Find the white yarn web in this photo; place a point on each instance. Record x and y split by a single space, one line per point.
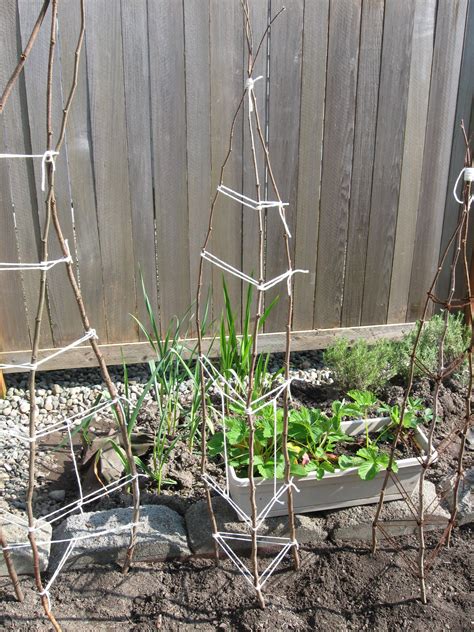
68 425
229 394
283 544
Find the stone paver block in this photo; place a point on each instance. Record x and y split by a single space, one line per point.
22 557
355 523
161 536
200 532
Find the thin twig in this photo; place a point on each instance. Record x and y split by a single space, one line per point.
24 56
11 567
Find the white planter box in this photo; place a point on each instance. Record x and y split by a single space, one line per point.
343 488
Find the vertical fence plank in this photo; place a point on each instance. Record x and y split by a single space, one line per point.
447 56
13 324
20 177
79 153
250 228
418 93
196 36
313 87
464 111
169 156
363 159
286 50
344 28
227 86
105 77
65 321
137 110
395 73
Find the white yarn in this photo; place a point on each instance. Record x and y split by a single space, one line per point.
49 156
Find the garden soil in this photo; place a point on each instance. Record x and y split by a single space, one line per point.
338 587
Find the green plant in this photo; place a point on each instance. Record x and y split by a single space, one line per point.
368 461
359 365
175 363
312 437
456 342
235 355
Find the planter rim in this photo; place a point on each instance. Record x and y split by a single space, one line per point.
420 437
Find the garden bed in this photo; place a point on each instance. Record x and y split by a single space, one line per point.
342 488
337 588
342 587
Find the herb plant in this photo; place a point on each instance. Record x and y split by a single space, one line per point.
456 342
360 365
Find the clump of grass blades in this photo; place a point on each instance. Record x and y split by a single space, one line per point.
236 351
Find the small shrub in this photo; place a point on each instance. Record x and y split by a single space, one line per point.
359 365
455 343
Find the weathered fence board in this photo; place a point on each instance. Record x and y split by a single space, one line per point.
227 87
392 107
137 112
449 37
65 322
168 117
196 39
418 93
313 89
343 52
284 106
86 247
363 161
359 102
109 143
465 112
13 331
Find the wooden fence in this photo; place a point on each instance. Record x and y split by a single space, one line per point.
362 107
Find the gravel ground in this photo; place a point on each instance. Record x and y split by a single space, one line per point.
61 394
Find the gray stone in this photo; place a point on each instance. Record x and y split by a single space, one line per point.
200 533
22 557
57 494
465 513
161 535
355 523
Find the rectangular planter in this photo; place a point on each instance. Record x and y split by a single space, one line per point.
343 488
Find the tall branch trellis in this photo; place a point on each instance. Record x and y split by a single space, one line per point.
52 221
250 405
459 274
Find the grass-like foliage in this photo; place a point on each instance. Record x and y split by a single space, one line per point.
236 351
456 342
360 365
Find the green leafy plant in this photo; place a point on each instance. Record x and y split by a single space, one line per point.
456 342
312 437
360 366
368 461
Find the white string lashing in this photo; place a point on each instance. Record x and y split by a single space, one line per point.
42 265
49 156
468 177
249 202
91 333
281 210
249 86
263 287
